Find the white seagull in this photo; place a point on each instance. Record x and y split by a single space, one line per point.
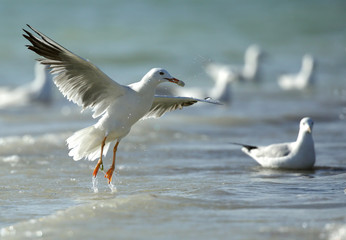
303 79
293 155
39 90
250 72
118 106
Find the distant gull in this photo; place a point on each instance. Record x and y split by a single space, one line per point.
223 76
118 106
221 91
293 155
250 72
303 79
39 90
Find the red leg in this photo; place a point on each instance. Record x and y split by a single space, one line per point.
100 163
110 171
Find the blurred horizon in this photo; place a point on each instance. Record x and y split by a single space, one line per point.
127 38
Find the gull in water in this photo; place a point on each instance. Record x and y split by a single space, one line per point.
117 106
303 79
292 155
39 90
250 72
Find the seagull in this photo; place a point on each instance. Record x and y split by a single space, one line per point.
301 80
250 72
39 90
293 155
117 106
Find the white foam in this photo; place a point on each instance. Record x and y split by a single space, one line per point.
336 231
95 183
11 159
112 187
9 231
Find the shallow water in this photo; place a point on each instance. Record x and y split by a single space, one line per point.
178 176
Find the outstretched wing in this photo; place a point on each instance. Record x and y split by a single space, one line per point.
163 104
78 79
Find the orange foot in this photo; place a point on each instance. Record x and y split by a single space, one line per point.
99 163
109 174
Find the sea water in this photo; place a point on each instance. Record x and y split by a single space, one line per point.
178 176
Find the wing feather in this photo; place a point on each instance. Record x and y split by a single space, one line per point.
163 104
78 79
273 151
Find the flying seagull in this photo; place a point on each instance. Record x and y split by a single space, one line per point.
117 106
292 155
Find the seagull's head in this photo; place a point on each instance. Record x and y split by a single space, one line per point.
161 75
306 125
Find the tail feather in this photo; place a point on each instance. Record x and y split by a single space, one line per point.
248 147
86 143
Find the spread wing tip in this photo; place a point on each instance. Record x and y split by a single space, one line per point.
212 101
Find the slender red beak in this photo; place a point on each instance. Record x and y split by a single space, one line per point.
176 81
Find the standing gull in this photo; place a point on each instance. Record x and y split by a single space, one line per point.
37 91
293 155
303 79
250 72
117 106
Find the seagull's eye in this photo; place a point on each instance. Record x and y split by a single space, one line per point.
161 73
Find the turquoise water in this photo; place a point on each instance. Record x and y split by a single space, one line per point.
178 176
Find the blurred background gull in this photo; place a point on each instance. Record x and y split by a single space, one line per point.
249 72
304 79
38 90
